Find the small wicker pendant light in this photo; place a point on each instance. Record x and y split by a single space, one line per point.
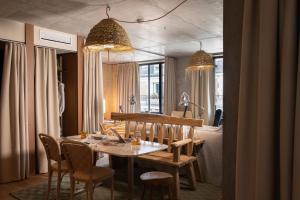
108 35
200 61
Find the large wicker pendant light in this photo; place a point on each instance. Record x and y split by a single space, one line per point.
108 35
200 61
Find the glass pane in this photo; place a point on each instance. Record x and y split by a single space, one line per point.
219 65
144 88
154 88
219 83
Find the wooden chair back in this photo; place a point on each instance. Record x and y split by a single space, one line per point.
158 125
78 155
51 147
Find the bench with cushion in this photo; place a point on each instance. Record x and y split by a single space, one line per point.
165 129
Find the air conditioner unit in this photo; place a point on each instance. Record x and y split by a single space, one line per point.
55 39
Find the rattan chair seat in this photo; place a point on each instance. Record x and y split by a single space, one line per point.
63 167
97 174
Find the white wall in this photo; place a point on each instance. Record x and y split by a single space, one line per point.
12 30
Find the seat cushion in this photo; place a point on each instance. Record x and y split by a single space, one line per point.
166 158
64 166
97 174
157 178
155 175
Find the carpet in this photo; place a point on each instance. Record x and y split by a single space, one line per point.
203 192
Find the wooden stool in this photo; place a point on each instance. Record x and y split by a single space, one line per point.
159 180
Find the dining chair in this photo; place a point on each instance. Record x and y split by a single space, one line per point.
80 162
55 162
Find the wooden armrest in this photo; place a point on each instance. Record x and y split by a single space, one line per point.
199 141
177 148
181 143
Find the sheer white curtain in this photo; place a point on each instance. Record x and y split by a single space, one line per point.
93 91
46 99
203 94
127 83
169 86
14 154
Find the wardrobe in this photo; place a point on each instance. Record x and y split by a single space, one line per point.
70 72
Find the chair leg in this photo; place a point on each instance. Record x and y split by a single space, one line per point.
58 185
112 188
176 184
151 192
170 192
50 172
72 182
144 190
192 177
161 191
90 191
87 190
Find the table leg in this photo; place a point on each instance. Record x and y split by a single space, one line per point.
110 161
130 176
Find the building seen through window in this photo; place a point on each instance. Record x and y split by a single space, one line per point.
219 83
151 80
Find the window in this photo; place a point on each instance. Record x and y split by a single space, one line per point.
219 82
151 78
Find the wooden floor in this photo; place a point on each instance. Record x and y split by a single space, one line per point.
5 189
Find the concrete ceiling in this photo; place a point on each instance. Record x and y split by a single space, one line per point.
176 35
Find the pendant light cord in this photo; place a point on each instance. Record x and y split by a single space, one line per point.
149 20
106 11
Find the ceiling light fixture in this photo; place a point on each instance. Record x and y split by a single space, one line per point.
108 35
200 61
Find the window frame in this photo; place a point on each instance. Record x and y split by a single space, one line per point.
160 76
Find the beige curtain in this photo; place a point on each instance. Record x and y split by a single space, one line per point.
203 94
169 94
46 99
14 153
92 91
268 134
126 83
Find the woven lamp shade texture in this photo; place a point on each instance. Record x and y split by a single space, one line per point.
200 60
108 35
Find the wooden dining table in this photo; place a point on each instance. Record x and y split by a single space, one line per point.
109 145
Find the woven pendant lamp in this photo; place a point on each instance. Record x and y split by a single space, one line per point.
200 61
108 35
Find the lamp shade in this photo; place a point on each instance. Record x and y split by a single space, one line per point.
108 35
200 61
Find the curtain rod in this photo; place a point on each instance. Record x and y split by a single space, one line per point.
217 54
139 62
151 61
18 42
6 40
158 54
68 51
117 63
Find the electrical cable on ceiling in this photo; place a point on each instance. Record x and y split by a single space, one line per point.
149 20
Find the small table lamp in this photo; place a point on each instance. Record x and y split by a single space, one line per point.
186 102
